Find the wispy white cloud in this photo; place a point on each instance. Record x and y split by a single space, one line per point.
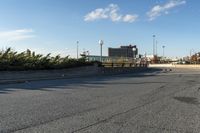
16 35
96 14
159 10
111 12
130 18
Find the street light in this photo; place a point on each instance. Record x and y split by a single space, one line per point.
134 55
101 44
163 50
77 48
154 36
156 47
134 52
198 58
88 52
191 53
145 58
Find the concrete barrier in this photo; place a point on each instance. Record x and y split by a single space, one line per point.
120 70
160 65
23 76
186 66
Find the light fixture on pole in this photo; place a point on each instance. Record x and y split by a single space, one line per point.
88 52
145 57
101 44
154 36
145 54
163 50
134 52
191 52
156 48
198 57
134 55
77 49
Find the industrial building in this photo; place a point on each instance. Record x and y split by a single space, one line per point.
124 51
115 54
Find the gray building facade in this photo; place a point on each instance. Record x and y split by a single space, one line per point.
124 51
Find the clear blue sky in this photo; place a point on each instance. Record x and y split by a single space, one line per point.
55 25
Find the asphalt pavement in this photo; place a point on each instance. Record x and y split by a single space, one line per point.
161 101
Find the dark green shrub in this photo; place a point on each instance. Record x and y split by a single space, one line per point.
28 60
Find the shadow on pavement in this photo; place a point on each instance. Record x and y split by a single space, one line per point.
188 100
87 82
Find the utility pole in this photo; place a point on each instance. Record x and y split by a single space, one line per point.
77 49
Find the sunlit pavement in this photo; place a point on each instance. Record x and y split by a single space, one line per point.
161 102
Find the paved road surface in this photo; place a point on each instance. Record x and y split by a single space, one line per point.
160 102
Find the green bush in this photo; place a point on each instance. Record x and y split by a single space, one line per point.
28 60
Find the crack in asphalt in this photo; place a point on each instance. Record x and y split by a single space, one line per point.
126 121
51 120
44 122
92 109
127 111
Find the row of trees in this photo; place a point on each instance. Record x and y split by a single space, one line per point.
28 60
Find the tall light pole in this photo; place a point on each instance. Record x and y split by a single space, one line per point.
134 55
156 47
163 50
134 52
191 53
77 49
145 58
154 36
198 58
101 44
